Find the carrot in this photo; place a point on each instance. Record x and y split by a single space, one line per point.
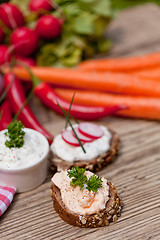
112 82
124 64
153 73
138 107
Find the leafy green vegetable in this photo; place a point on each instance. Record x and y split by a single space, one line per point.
93 183
84 23
122 4
78 177
102 8
82 31
15 134
23 5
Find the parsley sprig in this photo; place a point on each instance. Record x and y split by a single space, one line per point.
79 179
94 183
15 134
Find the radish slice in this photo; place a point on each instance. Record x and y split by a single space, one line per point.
81 136
90 130
68 137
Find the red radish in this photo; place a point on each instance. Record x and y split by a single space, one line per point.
36 5
25 41
48 27
90 130
81 136
11 16
5 55
68 137
1 35
27 61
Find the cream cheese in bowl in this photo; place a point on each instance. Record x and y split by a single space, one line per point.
26 167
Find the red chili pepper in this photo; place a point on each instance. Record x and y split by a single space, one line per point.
48 96
27 86
1 84
17 99
5 115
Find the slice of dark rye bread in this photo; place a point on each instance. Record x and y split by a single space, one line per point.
110 214
93 165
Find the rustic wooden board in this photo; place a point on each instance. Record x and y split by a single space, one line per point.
135 172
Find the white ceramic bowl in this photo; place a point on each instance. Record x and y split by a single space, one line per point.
30 177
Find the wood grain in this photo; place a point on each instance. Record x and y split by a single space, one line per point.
136 172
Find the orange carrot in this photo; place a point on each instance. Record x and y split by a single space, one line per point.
138 107
124 64
112 82
153 73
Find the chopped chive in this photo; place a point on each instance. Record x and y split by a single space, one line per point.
68 113
68 121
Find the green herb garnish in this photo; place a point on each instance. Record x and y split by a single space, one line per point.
93 183
68 113
79 179
15 134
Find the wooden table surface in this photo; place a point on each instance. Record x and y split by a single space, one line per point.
136 172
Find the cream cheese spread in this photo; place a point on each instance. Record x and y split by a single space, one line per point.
81 201
69 153
31 152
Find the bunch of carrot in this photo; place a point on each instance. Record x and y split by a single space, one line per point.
134 82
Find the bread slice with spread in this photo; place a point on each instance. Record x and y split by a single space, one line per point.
83 199
100 147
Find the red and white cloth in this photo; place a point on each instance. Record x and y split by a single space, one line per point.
6 197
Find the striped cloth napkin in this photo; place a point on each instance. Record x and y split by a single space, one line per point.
6 197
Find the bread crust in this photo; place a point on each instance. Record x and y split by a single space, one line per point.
94 165
110 214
